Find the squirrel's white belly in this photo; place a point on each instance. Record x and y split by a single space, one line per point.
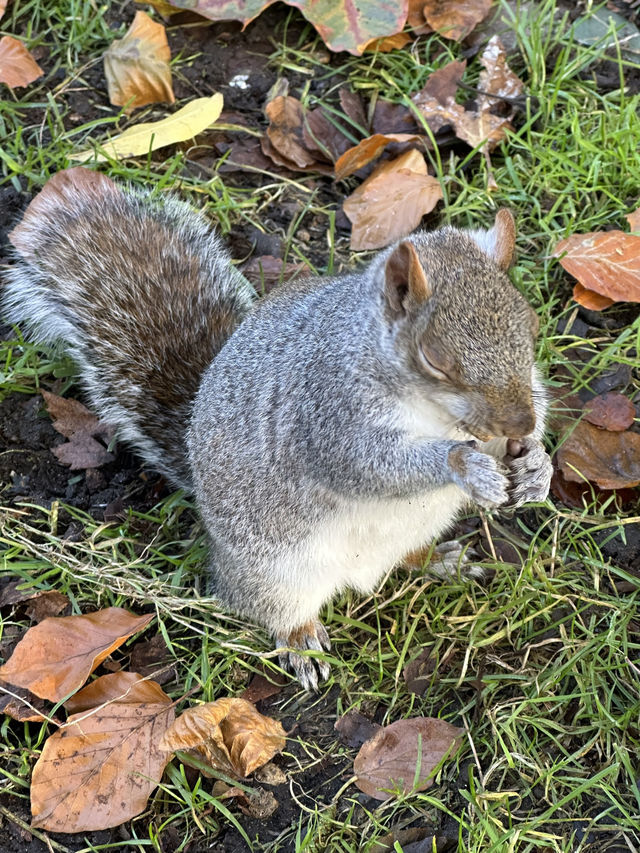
357 548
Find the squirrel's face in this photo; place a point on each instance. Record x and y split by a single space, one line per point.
467 334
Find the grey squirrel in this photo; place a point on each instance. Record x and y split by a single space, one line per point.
326 430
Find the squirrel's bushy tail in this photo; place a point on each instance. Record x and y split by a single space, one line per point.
143 294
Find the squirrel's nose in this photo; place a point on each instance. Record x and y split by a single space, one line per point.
518 423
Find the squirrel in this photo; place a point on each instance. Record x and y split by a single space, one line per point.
327 429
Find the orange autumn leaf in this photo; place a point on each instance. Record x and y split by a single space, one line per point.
137 66
391 202
389 43
633 219
55 657
17 66
98 770
606 262
228 733
455 19
590 299
367 150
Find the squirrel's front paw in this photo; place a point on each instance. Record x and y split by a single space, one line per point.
312 636
530 471
481 476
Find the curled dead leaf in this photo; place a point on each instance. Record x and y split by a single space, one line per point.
55 657
633 219
228 733
367 150
385 45
391 202
137 66
404 755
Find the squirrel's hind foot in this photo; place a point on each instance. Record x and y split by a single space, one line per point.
311 636
454 559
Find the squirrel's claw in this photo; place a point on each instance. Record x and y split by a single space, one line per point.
481 476
454 559
311 636
530 473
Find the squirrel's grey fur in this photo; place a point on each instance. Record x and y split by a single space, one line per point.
324 443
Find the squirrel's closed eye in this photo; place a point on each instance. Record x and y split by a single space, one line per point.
429 366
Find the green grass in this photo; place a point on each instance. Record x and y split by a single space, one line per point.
542 665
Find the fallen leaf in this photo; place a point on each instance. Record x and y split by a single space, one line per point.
152 657
99 769
16 592
606 262
45 604
633 219
127 688
367 150
612 411
415 840
590 299
389 117
323 136
56 657
260 687
391 202
416 19
480 126
229 733
22 705
352 107
443 83
285 132
418 672
137 66
75 421
342 24
611 460
455 19
404 755
389 43
355 729
17 67
266 271
140 139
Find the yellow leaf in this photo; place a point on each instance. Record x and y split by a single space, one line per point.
138 140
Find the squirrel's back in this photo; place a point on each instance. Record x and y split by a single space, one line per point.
142 293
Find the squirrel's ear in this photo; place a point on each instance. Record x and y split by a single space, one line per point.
405 276
499 242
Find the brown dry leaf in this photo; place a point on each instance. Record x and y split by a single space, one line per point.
99 769
17 66
75 421
56 657
323 137
128 688
611 460
153 658
260 687
389 43
355 729
418 672
416 840
416 19
228 733
391 202
607 262
443 83
367 150
633 219
267 271
455 19
21 704
480 125
45 604
612 411
390 759
137 66
284 133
